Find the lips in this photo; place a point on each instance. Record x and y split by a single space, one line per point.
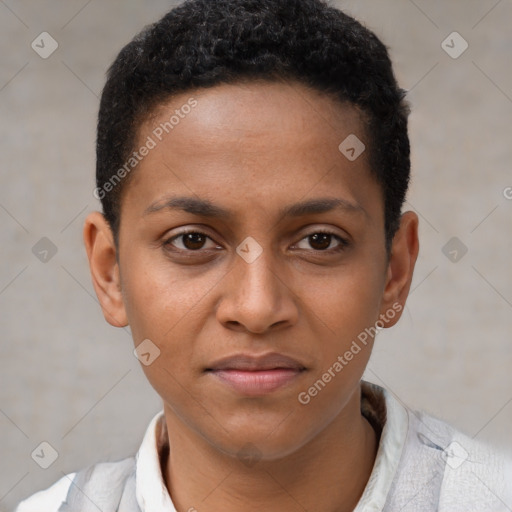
247 362
256 375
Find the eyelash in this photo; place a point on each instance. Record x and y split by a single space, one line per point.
343 243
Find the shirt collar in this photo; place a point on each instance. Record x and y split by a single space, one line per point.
151 491
378 404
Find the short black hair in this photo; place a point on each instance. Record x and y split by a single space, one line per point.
203 43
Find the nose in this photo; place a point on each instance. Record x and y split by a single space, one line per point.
257 296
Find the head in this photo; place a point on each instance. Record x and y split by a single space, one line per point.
274 133
203 44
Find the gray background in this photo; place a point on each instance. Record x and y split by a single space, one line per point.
70 379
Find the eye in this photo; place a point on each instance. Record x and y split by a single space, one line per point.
189 241
323 241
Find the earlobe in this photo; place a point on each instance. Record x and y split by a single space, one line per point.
101 252
404 252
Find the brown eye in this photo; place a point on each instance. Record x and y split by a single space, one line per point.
190 241
193 240
323 241
320 241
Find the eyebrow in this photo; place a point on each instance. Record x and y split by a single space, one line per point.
205 208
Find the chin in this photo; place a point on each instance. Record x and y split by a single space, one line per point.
260 445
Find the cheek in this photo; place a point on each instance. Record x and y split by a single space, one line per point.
344 319
169 307
346 301
345 310
160 298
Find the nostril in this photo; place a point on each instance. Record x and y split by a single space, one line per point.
234 325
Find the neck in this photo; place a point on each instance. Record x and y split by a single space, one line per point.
329 473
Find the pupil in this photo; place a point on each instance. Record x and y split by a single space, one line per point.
323 239
193 241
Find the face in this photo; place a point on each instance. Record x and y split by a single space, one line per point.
252 256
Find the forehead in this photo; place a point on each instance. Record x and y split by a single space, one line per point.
252 140
258 111
272 104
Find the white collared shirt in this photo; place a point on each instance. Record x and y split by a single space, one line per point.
385 413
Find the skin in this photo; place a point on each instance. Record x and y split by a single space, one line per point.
254 148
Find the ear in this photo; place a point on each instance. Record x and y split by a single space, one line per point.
404 252
101 251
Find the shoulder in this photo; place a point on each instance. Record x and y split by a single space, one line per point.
475 474
49 499
103 480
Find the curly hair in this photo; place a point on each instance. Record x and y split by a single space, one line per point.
203 43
